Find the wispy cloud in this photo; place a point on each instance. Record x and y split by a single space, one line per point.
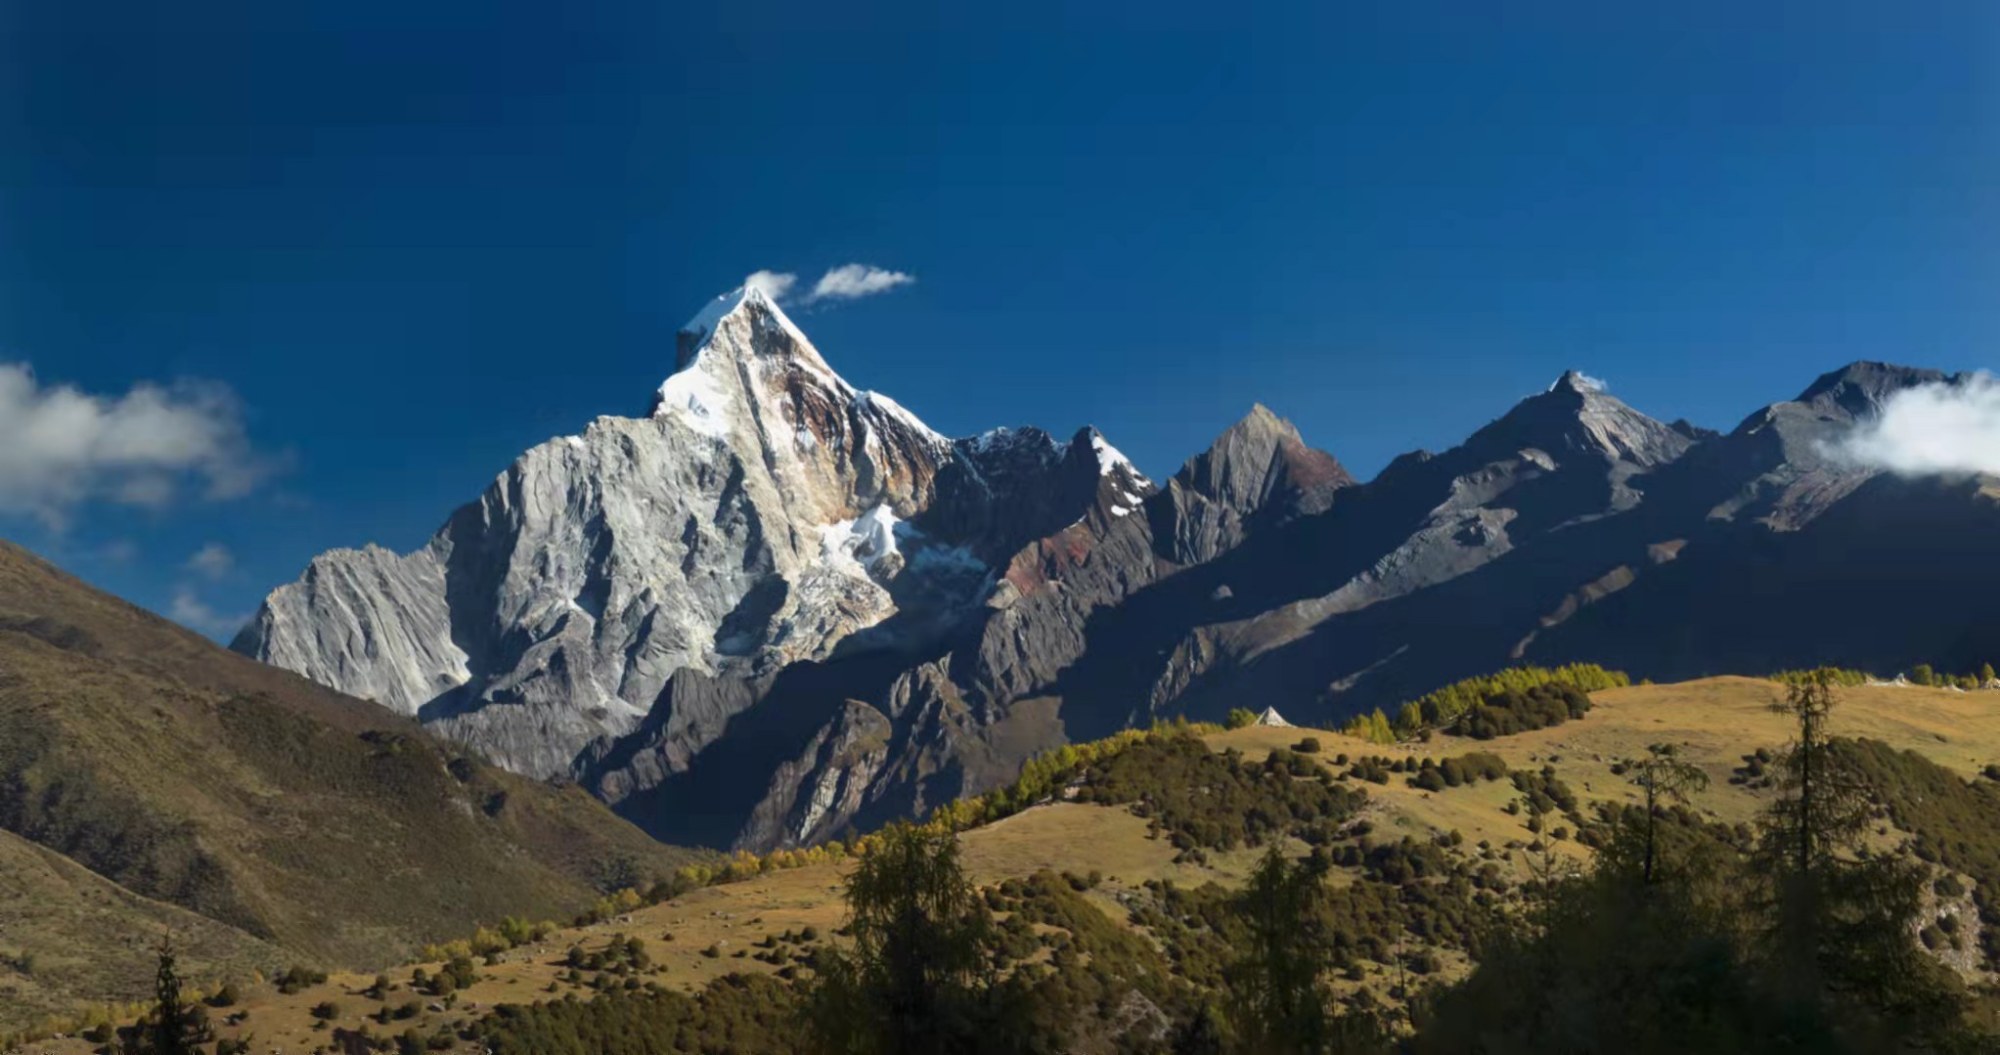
851 281
61 447
1932 428
776 284
846 282
192 612
212 561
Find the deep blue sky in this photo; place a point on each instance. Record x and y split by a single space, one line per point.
416 238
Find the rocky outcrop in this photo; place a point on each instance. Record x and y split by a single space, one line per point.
1257 474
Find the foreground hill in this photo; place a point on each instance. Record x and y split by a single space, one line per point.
69 937
779 606
290 819
1418 864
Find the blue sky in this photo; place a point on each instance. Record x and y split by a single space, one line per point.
400 243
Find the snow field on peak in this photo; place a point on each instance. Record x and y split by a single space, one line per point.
693 397
1109 458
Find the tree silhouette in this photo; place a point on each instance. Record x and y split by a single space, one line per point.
1822 805
918 977
177 1027
1277 1002
1664 777
1841 917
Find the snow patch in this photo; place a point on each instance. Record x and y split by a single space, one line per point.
711 315
1110 459
694 398
993 439
861 545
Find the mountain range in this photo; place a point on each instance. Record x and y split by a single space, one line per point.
777 607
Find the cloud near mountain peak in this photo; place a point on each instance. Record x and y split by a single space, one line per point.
1928 429
846 282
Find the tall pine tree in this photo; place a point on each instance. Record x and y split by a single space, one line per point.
177 1027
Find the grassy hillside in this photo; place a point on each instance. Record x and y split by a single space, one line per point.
69 937
1407 906
314 823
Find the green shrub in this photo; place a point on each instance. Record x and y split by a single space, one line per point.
1522 711
297 978
1447 705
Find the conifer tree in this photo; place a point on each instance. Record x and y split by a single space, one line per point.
1277 1002
918 977
177 1027
1841 917
1663 777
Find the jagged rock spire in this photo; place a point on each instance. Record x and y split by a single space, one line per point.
1258 472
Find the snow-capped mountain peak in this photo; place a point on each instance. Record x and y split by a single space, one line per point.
744 344
750 306
765 512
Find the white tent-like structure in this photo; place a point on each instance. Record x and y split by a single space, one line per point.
1273 718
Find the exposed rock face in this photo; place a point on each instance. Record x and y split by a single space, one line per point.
1258 470
778 606
1778 458
616 598
756 518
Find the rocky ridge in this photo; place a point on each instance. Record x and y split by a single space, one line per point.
779 606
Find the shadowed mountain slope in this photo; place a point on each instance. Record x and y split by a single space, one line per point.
312 821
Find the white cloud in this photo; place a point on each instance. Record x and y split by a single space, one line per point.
776 284
1932 428
212 561
60 447
195 614
849 281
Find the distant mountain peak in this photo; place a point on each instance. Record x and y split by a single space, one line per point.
1257 467
742 346
1578 382
1577 414
1860 387
1109 459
